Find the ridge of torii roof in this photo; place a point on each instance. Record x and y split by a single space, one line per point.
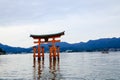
48 35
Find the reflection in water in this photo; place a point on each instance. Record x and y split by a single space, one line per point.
38 69
52 72
54 69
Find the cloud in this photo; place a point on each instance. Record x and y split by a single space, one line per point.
24 10
81 19
38 11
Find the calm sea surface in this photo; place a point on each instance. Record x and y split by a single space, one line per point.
71 66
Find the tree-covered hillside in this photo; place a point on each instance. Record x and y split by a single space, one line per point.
110 44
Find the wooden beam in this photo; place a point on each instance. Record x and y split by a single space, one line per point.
35 42
54 41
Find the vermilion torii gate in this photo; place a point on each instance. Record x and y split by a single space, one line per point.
49 38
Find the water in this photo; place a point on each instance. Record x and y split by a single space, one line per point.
71 66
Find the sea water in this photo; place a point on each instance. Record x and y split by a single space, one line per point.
70 66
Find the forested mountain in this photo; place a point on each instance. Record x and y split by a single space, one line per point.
92 45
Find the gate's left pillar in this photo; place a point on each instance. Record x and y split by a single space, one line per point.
34 52
39 49
42 52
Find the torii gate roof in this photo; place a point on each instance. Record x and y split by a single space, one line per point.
48 35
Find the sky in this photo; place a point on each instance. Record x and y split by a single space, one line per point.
82 20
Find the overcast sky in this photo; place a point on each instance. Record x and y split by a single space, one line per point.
82 20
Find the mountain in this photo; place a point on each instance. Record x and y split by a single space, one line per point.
2 51
10 49
91 45
98 45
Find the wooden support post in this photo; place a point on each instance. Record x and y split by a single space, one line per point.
34 62
42 52
53 48
34 52
50 51
54 52
58 52
39 50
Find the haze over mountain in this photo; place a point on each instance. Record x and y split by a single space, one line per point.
92 45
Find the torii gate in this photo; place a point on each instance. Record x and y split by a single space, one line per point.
54 50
